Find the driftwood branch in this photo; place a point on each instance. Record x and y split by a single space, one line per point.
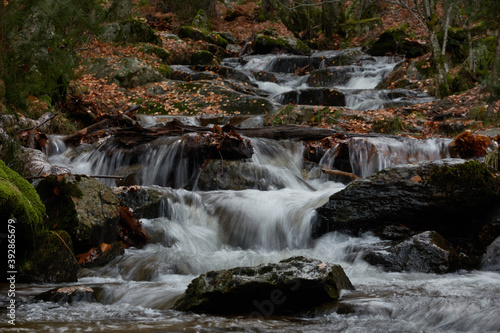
339 173
36 126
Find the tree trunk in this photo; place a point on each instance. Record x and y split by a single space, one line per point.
332 17
442 89
495 79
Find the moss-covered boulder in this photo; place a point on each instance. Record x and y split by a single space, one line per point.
120 10
19 199
128 31
264 44
84 207
127 72
202 34
396 41
453 197
53 261
202 21
290 286
202 58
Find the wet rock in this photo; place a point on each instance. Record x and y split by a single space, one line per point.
53 260
130 174
330 76
84 207
146 201
69 295
236 175
453 197
292 285
313 96
426 252
491 259
95 257
128 31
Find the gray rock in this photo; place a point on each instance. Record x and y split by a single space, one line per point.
290 286
126 72
84 207
129 31
236 175
313 96
453 197
491 259
120 10
427 252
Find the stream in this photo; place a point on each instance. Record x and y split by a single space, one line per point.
198 231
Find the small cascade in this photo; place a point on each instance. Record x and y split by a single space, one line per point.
372 154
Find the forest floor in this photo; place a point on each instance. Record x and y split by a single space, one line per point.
423 120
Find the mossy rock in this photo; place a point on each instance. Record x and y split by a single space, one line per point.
19 202
353 28
53 261
396 41
201 20
84 207
202 34
129 31
157 51
19 199
265 43
202 58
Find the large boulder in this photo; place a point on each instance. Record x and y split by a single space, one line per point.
84 207
426 252
127 72
128 31
290 286
396 41
453 197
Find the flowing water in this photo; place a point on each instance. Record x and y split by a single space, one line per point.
195 232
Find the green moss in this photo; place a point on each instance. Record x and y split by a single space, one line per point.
202 58
164 70
18 199
157 51
202 34
266 43
466 185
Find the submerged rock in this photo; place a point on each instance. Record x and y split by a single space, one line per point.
427 252
453 197
68 295
290 286
236 175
